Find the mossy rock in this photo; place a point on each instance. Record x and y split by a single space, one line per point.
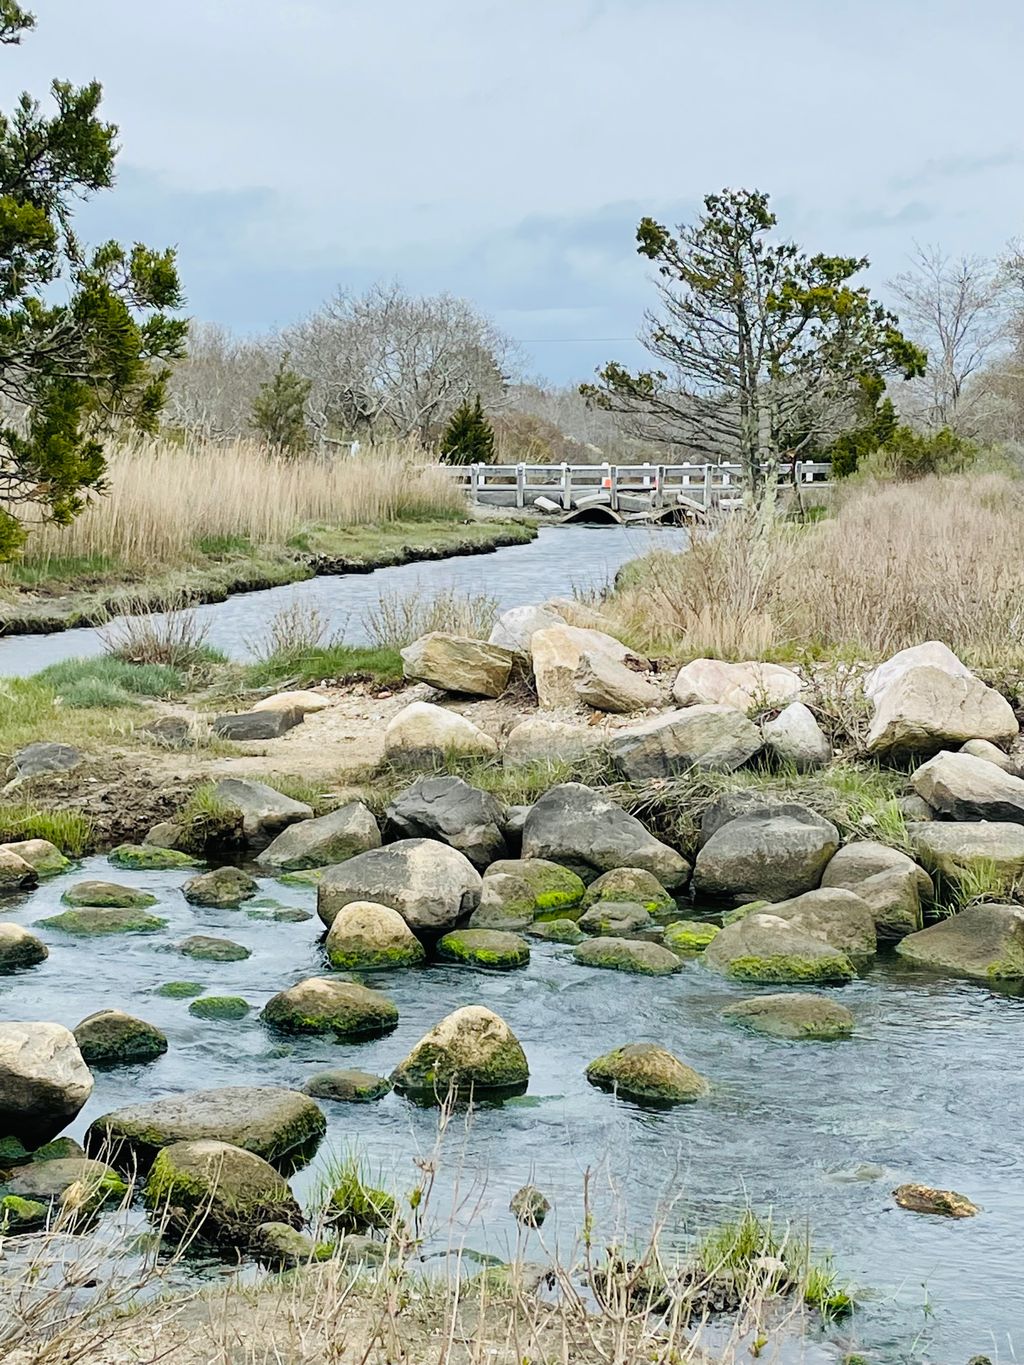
484 948
516 891
557 931
286 914
76 1184
627 955
20 949
91 922
742 911
40 854
529 1207
367 936
349 1086
648 1073
12 1152
285 1247
689 935
112 1038
355 1206
224 888
765 949
310 876
180 990
206 948
222 1191
615 919
107 896
20 1215
631 885
795 1016
220 1007
149 858
471 1051
58 1150
322 1005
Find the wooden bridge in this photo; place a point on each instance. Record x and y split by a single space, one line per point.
623 493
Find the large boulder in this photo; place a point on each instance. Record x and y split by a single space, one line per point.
45 857
493 948
515 629
714 737
113 1038
367 937
956 848
20 949
327 839
605 684
648 1073
795 738
44 1081
422 734
762 947
927 709
749 801
838 917
218 1191
472 1050
627 955
557 653
456 663
539 741
16 874
932 654
265 812
859 861
279 1125
585 831
766 856
515 892
224 888
323 1004
630 885
967 788
450 810
985 941
889 882
795 1016
431 885
741 686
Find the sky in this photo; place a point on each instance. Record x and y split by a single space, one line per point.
504 152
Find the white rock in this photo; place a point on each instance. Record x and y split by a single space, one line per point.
43 1081
515 629
982 748
604 684
423 732
712 681
557 652
305 701
794 736
927 708
932 654
538 740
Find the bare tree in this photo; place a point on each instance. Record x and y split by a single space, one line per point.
955 307
213 389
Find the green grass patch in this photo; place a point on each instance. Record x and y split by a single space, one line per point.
30 711
303 667
222 546
71 569
136 680
397 542
72 831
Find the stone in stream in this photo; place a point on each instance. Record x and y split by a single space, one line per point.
539 741
149 858
927 709
741 686
180 990
605 684
208 948
457 663
282 1126
19 1215
472 1050
431 885
956 848
689 935
286 1248
44 1081
265 812
16 874
113 1038
224 888
967 788
348 1086
889 882
221 1191
322 1005
45 857
92 921
717 738
839 918
984 941
585 831
365 936
557 931
220 1008
630 884
795 1016
627 955
529 1207
924 1199
20 949
246 727
451 811
761 947
484 948
766 855
422 734
326 839
647 1073
107 895
614 919
44 757
557 652
67 1185
515 891
794 737
303 700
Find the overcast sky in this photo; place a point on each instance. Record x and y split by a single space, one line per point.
505 151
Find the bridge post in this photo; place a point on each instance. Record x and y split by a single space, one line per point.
520 485
474 483
613 486
707 488
658 499
566 487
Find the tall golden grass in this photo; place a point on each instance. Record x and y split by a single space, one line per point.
164 498
942 558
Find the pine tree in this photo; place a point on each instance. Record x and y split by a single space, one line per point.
279 410
469 438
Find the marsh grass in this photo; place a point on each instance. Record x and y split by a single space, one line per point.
399 618
325 663
975 883
171 635
72 831
105 682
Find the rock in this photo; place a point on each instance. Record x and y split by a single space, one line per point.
15 873
265 812
926 709
207 948
352 1087
539 741
557 652
431 885
889 883
863 859
630 884
218 1190
795 737
514 629
284 1247
585 831
76 1185
327 839
149 858
220 1008
764 948
981 748
20 949
225 888
956 848
576 613
43 1081
166 834
740 686
932 654
627 955
484 948
529 1207
605 684
285 914
108 895
422 734
171 732
246 727
915 808
648 1073
614 919
557 931
514 892
985 941
180 990
838 917
44 757
450 810
689 935
515 819
365 936
20 1215
40 854
113 1038
765 855
305 701
472 1050
924 1199
456 663
968 788
736 805
794 1016
323 1005
713 737
91 921
278 1125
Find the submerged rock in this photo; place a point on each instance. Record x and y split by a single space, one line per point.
472 1050
484 948
794 1016
327 839
646 1072
89 922
761 947
924 1199
627 955
766 855
113 1038
207 948
422 734
451 811
457 663
222 1192
20 949
717 738
149 858
44 1081
557 931
222 1008
431 885
365 936
107 895
323 1005
224 888
180 990
349 1086
985 941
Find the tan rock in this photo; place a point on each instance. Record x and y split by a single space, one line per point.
15 871
744 685
457 663
982 748
305 701
366 935
43 1081
539 739
472 1049
422 732
968 788
557 652
955 848
604 684
927 709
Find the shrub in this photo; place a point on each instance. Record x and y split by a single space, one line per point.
173 636
401 617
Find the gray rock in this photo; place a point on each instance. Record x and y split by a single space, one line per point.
614 919
514 892
514 629
627 955
931 654
744 802
956 848
431 885
248 726
796 738
983 941
224 888
208 948
765 857
794 1016
348 1086
219 1191
113 1038
982 748
539 741
761 947
969 788
265 812
20 949
889 882
838 917
328 1005
606 684
927 709
78 1186
456 663
451 811
714 737
915 807
324 840
16 873
45 757
44 1081
471 1051
630 884
515 819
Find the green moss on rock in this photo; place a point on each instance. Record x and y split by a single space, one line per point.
180 990
689 935
627 955
112 1038
356 1206
788 968
220 1007
107 895
484 948
322 1005
206 948
350 1086
793 1016
557 931
647 1072
224 1192
92 922
149 858
631 885
472 1050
